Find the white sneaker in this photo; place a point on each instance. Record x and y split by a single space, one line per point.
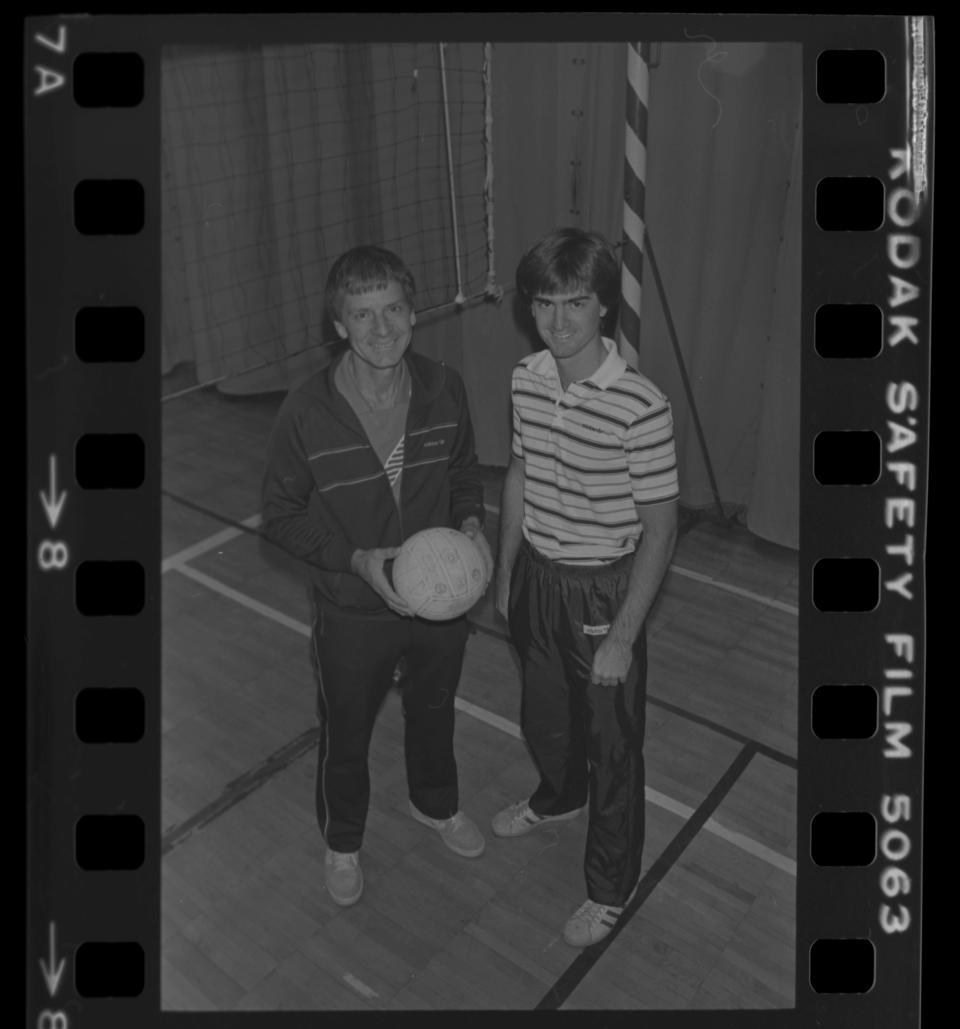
519 819
344 877
593 922
459 833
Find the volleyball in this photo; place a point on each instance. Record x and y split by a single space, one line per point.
440 573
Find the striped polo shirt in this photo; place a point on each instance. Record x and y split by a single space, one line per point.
591 454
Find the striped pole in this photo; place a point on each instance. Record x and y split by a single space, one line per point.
634 178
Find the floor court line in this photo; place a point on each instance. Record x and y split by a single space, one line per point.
582 964
210 543
780 605
360 986
242 598
739 840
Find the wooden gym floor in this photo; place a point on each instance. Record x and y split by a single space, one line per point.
246 920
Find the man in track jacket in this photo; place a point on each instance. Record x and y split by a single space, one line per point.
376 447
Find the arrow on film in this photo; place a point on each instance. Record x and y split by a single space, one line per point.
53 504
52 973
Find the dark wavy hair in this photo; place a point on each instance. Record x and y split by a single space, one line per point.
567 260
363 269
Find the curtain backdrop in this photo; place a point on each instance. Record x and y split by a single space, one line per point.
723 152
276 159
722 208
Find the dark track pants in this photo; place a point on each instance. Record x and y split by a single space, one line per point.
355 661
586 740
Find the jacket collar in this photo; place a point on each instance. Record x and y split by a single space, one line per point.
427 378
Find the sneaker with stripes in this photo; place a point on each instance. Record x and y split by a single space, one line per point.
519 819
592 922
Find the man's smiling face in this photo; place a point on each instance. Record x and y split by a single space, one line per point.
568 323
378 324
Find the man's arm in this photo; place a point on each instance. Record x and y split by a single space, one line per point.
511 521
473 528
613 656
287 487
466 488
369 565
285 501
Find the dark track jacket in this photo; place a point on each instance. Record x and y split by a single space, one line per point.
325 493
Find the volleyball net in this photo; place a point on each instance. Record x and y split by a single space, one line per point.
276 159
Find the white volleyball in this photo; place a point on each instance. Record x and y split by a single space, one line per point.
440 573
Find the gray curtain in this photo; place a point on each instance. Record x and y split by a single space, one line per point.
276 159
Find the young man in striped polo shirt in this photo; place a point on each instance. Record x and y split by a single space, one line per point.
588 527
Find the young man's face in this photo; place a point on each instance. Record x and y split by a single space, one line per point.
568 323
378 324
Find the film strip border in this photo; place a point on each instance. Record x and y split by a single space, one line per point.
866 275
92 257
93 728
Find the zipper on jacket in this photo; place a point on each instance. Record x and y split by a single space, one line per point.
357 426
398 501
403 471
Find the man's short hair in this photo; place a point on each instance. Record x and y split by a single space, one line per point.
567 260
361 270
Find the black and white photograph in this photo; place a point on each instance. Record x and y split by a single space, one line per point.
480 524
